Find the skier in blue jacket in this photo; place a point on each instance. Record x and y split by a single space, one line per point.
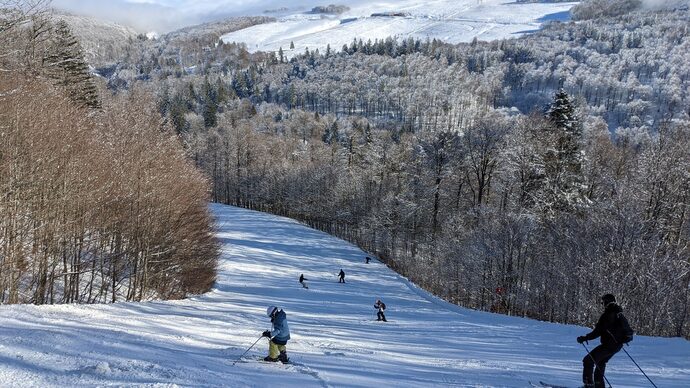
278 336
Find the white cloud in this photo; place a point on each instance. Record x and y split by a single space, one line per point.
167 15
163 15
142 16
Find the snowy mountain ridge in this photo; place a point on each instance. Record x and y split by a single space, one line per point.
168 15
451 21
297 24
336 341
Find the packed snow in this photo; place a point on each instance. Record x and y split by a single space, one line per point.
336 341
451 21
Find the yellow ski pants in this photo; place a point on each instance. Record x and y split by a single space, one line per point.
274 349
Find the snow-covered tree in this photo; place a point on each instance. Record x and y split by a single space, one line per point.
65 63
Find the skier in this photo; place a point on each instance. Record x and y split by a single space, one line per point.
278 338
341 275
380 306
610 345
301 281
368 259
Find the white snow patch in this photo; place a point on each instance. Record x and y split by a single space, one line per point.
452 21
336 341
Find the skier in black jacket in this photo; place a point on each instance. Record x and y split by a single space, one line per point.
380 307
600 355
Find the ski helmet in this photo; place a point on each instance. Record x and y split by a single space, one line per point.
608 298
270 310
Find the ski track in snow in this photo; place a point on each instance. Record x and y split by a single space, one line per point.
452 21
336 341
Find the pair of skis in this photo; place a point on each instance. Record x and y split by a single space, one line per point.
261 360
546 385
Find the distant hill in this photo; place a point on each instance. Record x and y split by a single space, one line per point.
212 31
330 9
451 21
592 9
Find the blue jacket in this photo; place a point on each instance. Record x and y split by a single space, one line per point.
281 332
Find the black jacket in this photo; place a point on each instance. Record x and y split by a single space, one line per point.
605 326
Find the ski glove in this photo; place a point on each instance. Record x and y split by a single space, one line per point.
581 339
266 333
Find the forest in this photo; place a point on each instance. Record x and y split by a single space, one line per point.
99 201
525 176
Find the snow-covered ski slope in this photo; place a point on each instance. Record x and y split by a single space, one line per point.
451 21
336 341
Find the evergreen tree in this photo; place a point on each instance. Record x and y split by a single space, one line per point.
331 134
65 63
281 55
563 159
367 133
221 92
242 84
210 101
192 96
562 114
164 100
178 110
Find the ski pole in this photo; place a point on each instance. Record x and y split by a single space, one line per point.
638 367
595 363
245 352
633 360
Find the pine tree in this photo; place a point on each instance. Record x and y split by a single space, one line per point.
240 85
563 160
164 100
192 97
65 63
221 91
331 134
178 110
210 107
562 113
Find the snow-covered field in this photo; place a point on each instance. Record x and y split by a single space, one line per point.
335 340
452 21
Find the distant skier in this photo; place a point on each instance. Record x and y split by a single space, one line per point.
301 281
614 331
380 306
341 275
279 335
368 259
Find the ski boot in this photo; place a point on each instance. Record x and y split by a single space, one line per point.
269 359
283 357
